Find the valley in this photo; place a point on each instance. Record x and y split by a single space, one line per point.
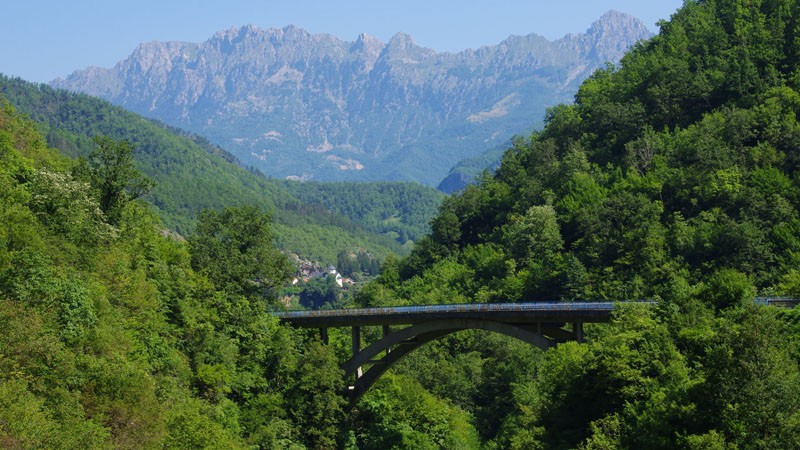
237 244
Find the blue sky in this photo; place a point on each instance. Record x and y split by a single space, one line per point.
43 40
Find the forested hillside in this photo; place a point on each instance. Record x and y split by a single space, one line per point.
116 336
672 177
190 174
401 210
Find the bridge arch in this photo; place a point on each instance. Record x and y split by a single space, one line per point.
541 324
400 343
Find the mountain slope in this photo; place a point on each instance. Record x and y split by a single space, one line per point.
400 209
299 105
190 174
466 172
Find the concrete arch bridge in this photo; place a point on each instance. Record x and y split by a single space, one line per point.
407 328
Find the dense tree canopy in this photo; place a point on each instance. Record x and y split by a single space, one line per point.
673 177
235 249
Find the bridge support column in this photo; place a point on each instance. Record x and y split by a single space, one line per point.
323 334
356 336
386 332
577 330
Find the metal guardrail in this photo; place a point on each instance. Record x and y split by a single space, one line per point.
458 308
490 307
777 301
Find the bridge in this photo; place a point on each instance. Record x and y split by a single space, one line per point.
406 328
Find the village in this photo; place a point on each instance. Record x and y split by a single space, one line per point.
308 271
315 286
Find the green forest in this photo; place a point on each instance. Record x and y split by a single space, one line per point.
401 210
673 177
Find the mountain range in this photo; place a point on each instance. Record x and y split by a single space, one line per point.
304 106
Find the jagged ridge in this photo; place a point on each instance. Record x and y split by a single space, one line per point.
302 105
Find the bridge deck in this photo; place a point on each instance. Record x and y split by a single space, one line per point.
520 313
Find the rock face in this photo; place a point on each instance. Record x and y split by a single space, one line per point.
299 105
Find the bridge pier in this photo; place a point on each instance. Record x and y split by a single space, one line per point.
577 331
323 335
356 346
385 332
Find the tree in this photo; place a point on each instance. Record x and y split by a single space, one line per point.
234 248
315 399
114 176
728 288
320 292
399 413
536 235
751 374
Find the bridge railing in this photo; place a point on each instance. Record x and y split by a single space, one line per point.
464 307
777 301
498 307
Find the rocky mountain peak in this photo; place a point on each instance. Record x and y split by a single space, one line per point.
367 43
368 49
253 35
608 34
401 41
231 34
155 53
292 33
401 47
617 23
296 104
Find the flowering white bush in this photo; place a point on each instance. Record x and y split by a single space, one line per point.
67 206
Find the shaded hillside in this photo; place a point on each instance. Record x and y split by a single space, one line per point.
311 106
467 172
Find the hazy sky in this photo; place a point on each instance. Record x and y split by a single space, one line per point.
43 40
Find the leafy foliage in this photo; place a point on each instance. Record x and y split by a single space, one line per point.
113 339
112 173
234 249
320 292
672 177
